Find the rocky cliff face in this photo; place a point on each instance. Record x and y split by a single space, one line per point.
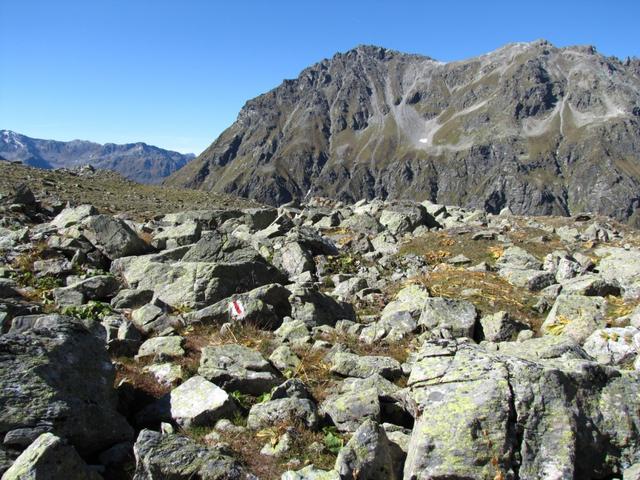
136 161
540 129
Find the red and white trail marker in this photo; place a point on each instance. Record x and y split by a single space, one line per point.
237 310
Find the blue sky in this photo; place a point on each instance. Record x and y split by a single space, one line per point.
176 73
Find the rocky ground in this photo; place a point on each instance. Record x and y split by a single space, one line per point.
381 340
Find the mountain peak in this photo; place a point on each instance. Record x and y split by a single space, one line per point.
526 126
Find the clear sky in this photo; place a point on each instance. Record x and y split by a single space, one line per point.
176 73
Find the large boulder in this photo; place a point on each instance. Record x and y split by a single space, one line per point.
73 215
194 284
265 306
57 374
621 267
49 458
362 366
315 308
449 317
288 410
113 237
236 367
367 455
576 316
486 415
179 458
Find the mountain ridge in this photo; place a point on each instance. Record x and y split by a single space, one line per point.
137 161
529 126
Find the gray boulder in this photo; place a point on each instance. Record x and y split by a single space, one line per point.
176 457
517 258
49 458
449 317
621 267
614 346
347 410
177 236
264 306
113 237
293 259
100 287
315 308
199 402
367 455
480 414
362 366
235 367
499 327
576 316
73 215
59 374
290 410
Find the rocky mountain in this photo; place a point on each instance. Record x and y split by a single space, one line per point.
136 161
383 340
532 127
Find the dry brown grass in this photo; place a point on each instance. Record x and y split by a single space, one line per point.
132 372
246 446
314 371
488 292
618 307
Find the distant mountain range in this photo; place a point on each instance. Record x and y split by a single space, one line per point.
137 161
533 127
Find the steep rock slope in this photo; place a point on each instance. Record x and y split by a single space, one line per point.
136 161
540 129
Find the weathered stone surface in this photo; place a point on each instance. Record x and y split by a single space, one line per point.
315 308
614 346
367 455
310 472
291 410
293 259
348 410
100 287
621 267
589 285
235 367
113 237
73 215
518 258
533 280
264 306
49 458
161 348
454 317
58 374
199 402
194 284
576 316
499 327
480 414
180 458
361 366
177 236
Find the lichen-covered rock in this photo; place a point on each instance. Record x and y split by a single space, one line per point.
621 266
348 410
362 366
180 458
367 455
272 412
113 237
198 402
451 317
310 472
161 348
499 327
58 374
614 346
176 236
49 458
235 367
576 316
483 415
